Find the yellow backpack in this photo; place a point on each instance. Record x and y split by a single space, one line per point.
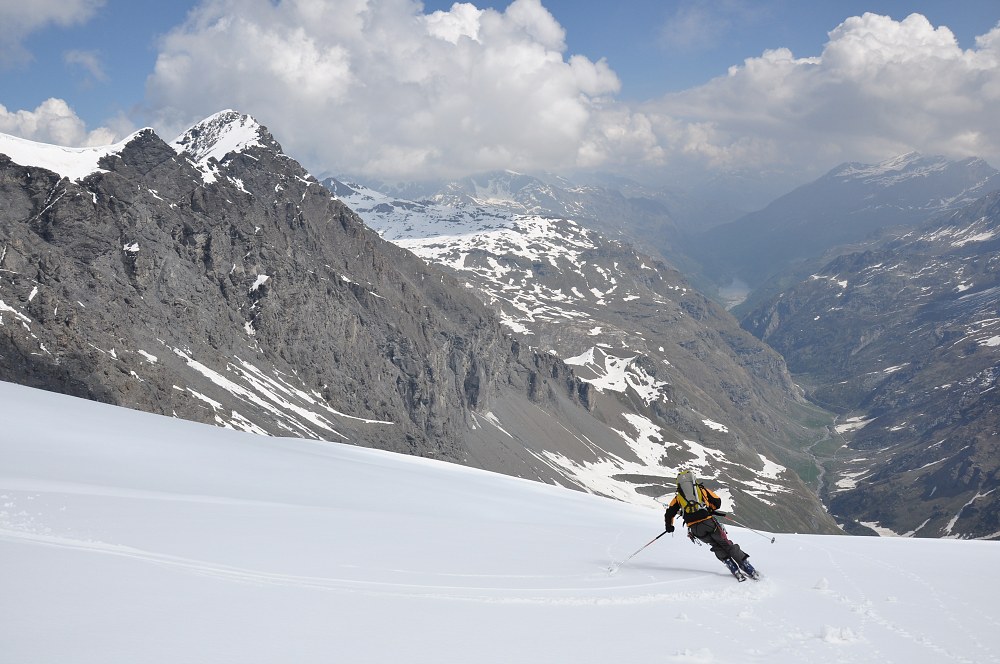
690 495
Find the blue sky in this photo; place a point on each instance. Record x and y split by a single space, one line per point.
396 90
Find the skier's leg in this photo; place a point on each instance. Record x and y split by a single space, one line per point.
722 546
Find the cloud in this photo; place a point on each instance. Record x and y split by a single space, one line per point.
381 88
55 122
880 87
90 61
20 18
697 25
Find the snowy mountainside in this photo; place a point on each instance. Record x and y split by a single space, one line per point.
72 163
214 279
474 238
670 371
904 340
236 290
616 207
916 170
800 231
192 543
514 192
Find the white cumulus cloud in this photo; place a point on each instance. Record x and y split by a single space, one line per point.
879 88
380 87
53 121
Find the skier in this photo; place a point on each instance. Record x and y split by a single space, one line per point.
698 506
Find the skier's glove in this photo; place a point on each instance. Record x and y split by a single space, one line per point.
670 528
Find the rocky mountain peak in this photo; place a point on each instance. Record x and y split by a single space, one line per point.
221 134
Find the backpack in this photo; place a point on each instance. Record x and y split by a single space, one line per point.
689 493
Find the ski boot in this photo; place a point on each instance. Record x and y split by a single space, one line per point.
749 569
735 569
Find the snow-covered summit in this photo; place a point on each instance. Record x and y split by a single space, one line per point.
220 134
72 163
895 170
905 163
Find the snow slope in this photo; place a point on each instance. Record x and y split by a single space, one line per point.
72 163
128 537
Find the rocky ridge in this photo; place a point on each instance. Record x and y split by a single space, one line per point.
214 279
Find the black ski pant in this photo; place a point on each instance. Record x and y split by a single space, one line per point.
712 533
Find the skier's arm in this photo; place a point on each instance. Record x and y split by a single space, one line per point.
713 499
668 516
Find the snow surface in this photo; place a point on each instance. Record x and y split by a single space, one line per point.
129 537
72 163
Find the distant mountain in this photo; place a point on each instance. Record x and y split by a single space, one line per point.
904 340
849 204
214 279
667 366
619 208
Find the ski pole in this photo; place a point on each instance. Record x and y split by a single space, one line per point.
726 515
614 567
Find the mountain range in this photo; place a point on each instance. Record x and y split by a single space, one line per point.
788 239
903 339
212 278
659 354
529 325
849 340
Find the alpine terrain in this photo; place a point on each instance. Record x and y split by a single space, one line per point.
664 362
212 278
787 240
903 339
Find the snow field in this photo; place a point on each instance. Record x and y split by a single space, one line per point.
127 537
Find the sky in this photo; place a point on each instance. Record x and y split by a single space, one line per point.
193 543
403 90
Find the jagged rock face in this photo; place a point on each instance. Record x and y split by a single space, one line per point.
667 369
239 292
906 338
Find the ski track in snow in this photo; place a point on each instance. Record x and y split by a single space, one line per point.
642 593
190 540
935 602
